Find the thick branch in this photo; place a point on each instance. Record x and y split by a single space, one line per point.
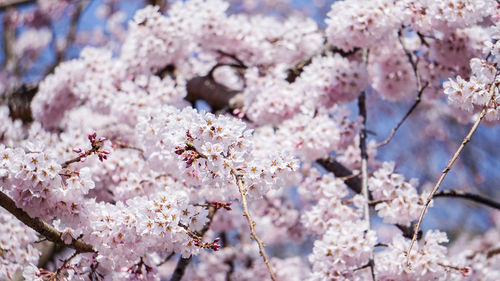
9 38
216 95
18 100
469 196
340 171
41 226
180 268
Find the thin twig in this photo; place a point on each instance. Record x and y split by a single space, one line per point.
71 35
182 264
420 90
469 196
447 169
251 223
41 226
119 144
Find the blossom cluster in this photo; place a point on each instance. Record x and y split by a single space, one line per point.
163 179
343 249
480 90
209 150
361 23
16 245
399 201
428 262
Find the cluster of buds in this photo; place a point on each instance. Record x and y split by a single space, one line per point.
189 153
96 148
212 245
219 204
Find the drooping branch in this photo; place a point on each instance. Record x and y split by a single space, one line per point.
448 167
420 90
469 196
41 226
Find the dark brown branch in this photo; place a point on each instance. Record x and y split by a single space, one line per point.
180 268
354 183
217 95
296 70
160 3
18 100
420 90
469 196
9 38
340 171
205 88
234 65
493 252
233 57
41 226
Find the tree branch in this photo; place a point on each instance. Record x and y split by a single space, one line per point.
448 167
205 88
364 164
19 101
71 35
251 222
180 269
354 183
9 38
296 70
41 226
420 90
469 196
